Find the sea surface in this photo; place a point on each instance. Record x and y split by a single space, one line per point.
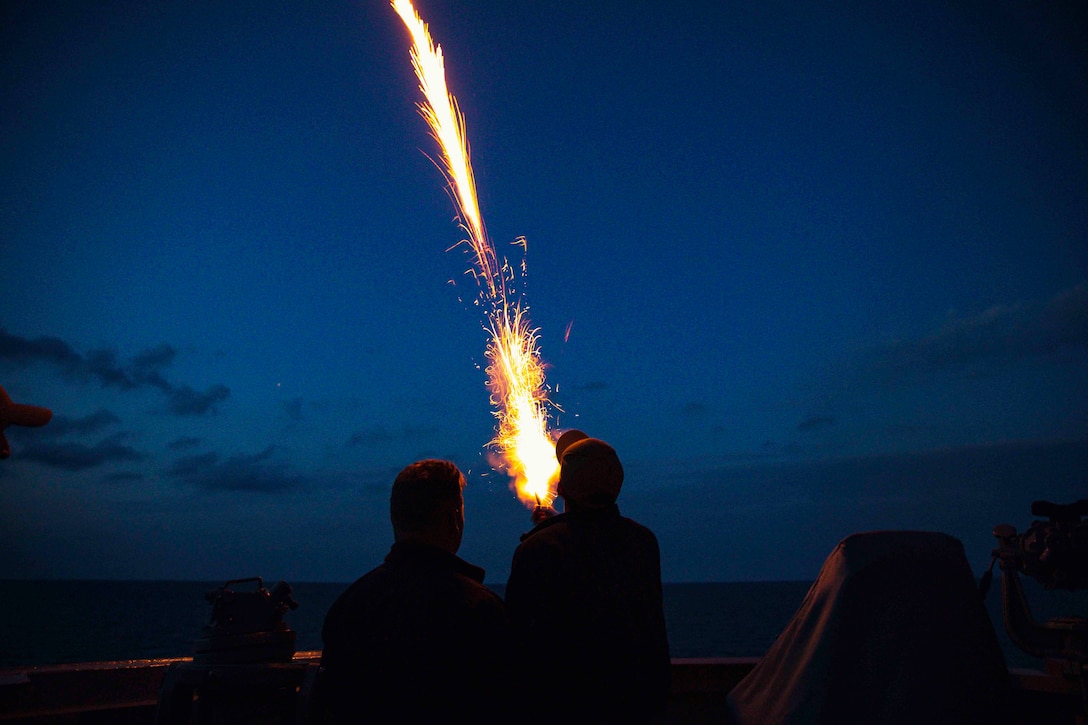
52 622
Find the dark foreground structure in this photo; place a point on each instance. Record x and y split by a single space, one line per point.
127 692
892 631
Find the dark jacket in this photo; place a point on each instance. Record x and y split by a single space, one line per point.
584 597
418 638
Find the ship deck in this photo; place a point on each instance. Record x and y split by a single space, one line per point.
127 692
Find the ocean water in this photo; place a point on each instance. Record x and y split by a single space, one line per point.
52 622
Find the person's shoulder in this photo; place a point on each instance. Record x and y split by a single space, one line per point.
548 527
628 521
487 597
372 578
468 576
464 576
546 533
366 583
466 593
355 595
639 530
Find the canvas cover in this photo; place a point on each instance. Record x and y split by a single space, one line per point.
892 631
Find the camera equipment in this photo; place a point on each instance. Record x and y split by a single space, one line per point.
242 669
1054 552
247 627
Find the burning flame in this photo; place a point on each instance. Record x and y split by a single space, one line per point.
515 373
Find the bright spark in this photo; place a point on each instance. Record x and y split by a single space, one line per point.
515 373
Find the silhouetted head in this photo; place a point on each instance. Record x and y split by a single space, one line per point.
590 474
561 443
427 504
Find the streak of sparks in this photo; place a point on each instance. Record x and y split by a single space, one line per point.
515 373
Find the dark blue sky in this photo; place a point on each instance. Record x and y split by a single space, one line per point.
825 267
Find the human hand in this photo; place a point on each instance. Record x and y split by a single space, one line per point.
542 513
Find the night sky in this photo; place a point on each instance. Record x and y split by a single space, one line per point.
824 268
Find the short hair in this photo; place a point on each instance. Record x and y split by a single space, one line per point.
422 492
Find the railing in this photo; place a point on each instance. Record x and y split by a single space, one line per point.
127 692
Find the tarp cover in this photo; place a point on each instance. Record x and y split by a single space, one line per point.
892 631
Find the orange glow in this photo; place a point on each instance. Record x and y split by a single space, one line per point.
515 373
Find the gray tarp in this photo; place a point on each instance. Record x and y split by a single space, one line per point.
892 631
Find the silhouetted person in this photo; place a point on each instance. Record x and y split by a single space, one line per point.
584 597
419 638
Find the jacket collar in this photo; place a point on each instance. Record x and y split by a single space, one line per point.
415 554
595 514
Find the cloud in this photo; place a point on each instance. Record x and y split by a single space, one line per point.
103 366
184 443
62 425
191 467
788 516
44 349
377 436
184 400
694 410
369 438
816 422
97 365
293 408
238 473
122 477
72 456
146 366
978 344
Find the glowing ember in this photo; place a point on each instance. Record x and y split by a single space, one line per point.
515 374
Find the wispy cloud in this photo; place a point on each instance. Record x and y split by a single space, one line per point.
242 472
74 456
62 425
147 366
184 443
815 423
122 477
694 409
144 370
183 400
974 378
380 436
293 408
806 508
978 344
